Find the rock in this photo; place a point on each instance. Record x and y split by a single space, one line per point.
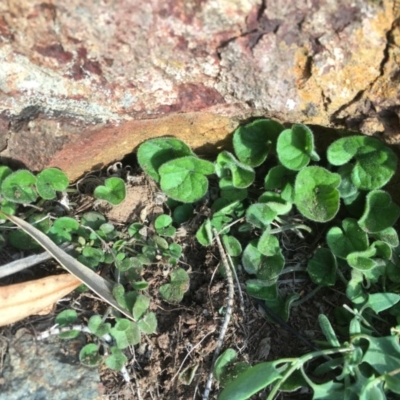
48 369
82 83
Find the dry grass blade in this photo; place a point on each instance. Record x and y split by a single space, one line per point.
93 281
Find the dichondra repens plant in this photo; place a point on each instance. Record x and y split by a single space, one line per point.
361 247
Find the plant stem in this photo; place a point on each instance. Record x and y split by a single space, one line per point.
298 363
228 314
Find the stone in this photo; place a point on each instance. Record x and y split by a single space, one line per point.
82 83
48 369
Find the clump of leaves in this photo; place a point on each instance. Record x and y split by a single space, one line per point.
362 247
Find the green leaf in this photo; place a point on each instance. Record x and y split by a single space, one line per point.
4 172
254 141
97 326
381 301
173 292
21 240
328 331
116 360
252 381
162 221
351 238
347 189
281 306
91 257
295 147
204 233
260 215
265 268
49 181
19 187
148 324
183 179
389 236
135 229
232 245
380 212
383 354
374 165
89 355
93 220
113 191
322 267
280 177
222 362
62 229
156 152
261 289
126 333
141 305
227 166
275 202
316 194
125 299
361 260
268 244
142 285
66 318
182 213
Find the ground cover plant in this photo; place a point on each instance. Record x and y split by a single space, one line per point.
275 183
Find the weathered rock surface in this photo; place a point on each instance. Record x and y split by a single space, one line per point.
82 83
47 369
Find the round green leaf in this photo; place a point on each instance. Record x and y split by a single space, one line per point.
116 360
126 333
141 305
232 245
280 177
62 228
173 292
222 362
256 263
65 318
322 267
89 355
268 244
182 213
49 181
275 202
295 147
351 238
148 324
162 221
254 141
362 260
228 167
19 187
183 179
316 194
91 257
260 215
380 212
347 189
155 152
113 191
389 236
4 172
93 220
375 163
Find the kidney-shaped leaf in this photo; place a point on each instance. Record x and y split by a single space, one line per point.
347 240
155 152
322 267
254 141
375 163
295 147
49 181
316 194
19 187
113 191
280 177
229 167
184 179
380 212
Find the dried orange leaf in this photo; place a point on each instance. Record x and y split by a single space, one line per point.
29 298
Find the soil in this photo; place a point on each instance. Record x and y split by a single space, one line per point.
188 332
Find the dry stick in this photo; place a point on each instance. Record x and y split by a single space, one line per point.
228 314
237 282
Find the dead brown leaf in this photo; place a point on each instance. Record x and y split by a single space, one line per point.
24 299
